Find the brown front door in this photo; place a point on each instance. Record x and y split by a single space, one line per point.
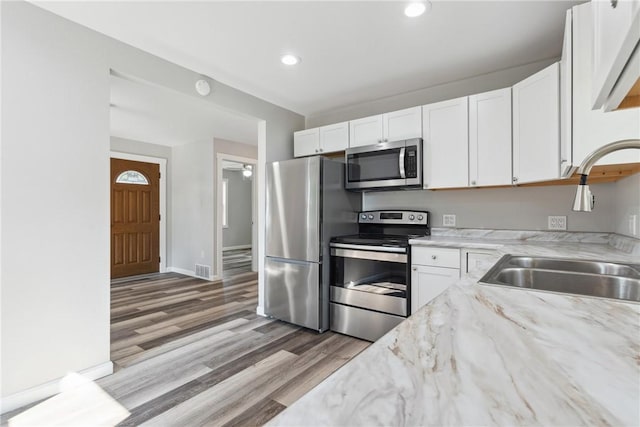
135 218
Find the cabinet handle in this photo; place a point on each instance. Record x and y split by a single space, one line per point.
415 269
321 150
614 3
515 179
316 150
473 183
433 257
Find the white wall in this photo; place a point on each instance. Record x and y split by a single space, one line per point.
478 84
627 204
55 199
55 219
518 208
238 232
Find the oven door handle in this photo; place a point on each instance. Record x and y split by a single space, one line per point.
403 173
398 250
369 255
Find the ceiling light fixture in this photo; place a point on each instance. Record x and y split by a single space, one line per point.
416 9
289 59
247 171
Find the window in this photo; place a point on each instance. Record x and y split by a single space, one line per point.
225 205
132 177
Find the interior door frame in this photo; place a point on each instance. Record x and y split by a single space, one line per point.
163 198
254 211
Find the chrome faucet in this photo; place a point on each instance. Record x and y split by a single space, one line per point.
584 200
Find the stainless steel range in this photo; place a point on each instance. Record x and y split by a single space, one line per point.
370 273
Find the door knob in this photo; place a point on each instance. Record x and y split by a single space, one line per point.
433 257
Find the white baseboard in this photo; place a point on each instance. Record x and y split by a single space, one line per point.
260 311
232 248
48 389
190 273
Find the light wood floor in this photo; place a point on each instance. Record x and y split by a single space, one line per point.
190 352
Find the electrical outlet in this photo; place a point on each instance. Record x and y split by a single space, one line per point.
448 220
558 222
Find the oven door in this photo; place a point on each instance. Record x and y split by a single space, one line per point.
370 279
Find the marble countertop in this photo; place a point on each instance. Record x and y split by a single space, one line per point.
486 355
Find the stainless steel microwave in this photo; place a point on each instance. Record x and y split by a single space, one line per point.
384 166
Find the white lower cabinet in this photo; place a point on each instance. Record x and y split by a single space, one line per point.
432 271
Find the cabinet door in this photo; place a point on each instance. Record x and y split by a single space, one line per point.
365 131
616 26
403 124
490 138
594 128
566 88
334 137
446 144
306 142
428 282
536 127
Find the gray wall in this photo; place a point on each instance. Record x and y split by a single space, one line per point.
518 208
483 83
238 233
55 117
627 205
192 207
55 199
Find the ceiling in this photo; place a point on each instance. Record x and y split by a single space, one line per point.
351 52
160 116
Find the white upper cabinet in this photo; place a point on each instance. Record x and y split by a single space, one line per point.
490 138
306 142
616 33
334 137
446 144
365 131
322 140
594 128
403 124
566 103
394 126
536 127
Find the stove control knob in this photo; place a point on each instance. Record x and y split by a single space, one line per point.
420 217
412 217
363 216
371 216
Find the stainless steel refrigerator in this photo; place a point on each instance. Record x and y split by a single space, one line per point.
306 206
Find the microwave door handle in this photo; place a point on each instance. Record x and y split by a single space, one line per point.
403 174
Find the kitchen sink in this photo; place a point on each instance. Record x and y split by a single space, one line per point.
567 276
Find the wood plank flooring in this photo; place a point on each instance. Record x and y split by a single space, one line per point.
190 352
235 262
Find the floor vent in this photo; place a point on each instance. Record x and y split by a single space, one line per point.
202 271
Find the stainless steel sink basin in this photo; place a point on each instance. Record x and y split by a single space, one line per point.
567 276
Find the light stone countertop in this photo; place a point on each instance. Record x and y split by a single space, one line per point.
488 355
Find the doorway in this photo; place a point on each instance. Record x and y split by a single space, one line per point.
237 228
135 218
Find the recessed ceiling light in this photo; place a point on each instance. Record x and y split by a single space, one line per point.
416 9
289 59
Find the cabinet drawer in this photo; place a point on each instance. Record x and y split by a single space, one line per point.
436 257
